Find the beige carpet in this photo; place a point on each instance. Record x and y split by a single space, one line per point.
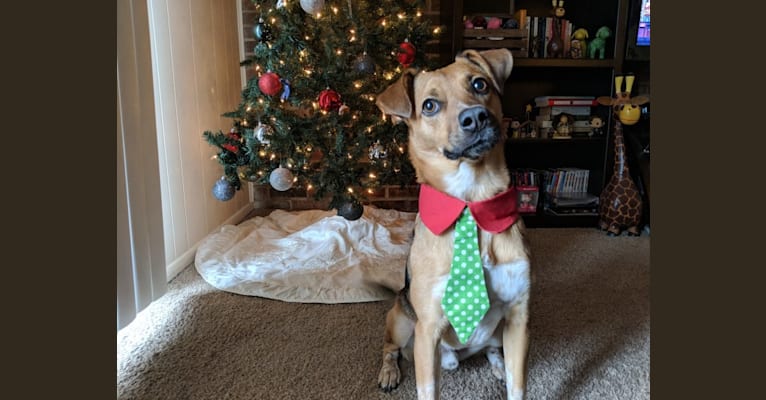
589 336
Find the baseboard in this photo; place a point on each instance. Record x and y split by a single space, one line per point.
187 258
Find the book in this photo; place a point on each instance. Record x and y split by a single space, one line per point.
521 16
528 30
540 37
566 182
588 211
524 177
547 35
572 199
546 101
549 111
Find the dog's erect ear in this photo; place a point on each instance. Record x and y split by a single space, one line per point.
397 99
498 64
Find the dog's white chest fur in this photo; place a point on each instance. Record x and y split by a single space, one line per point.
507 282
460 181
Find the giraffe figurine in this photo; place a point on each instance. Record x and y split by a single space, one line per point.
620 202
556 43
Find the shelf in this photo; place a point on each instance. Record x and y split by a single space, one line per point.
544 220
563 62
599 139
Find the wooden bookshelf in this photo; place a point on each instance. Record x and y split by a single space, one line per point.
534 77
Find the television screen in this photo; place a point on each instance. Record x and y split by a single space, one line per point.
644 26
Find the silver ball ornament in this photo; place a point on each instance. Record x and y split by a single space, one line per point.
281 179
223 190
262 133
365 64
262 32
312 6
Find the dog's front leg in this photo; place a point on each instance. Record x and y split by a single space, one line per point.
427 359
515 347
399 329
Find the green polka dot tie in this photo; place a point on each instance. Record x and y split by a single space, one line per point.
465 300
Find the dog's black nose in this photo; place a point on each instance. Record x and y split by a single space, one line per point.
473 119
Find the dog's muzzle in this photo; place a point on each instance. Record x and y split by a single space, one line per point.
479 132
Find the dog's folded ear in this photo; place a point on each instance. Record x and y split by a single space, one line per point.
397 99
497 63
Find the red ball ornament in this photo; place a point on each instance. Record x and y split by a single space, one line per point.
406 54
228 146
269 84
329 100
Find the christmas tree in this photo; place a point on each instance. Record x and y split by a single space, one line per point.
308 118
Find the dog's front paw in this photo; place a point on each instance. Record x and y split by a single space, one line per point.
516 394
496 363
388 378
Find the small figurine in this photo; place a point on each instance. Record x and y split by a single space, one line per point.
516 129
596 126
535 48
494 22
598 45
528 127
531 131
579 46
556 44
479 22
511 23
576 48
563 126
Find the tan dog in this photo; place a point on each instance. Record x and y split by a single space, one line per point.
456 146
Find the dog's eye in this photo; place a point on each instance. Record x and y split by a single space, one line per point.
430 107
480 85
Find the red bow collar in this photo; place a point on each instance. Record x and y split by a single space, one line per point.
439 211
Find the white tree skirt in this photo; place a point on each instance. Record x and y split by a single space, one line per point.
310 256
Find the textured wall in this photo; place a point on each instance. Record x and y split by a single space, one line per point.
195 54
